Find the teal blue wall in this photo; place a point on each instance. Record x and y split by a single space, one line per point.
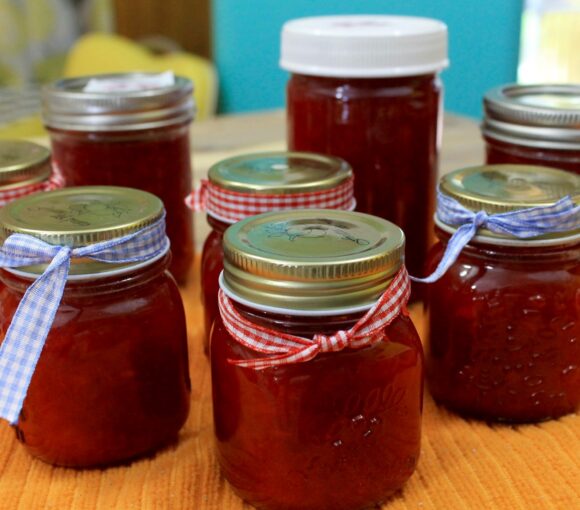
483 42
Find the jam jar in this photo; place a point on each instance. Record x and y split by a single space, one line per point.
533 125
24 169
366 89
245 185
128 130
339 429
112 382
504 320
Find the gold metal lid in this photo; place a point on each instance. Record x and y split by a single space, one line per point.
502 188
23 163
311 260
78 217
279 172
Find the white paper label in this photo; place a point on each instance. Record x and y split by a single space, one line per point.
131 84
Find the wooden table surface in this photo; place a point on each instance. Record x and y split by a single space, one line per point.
464 464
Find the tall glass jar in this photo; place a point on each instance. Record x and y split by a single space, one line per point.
366 89
112 380
132 131
341 429
264 182
533 125
504 320
24 169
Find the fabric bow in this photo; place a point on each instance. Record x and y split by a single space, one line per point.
31 323
286 349
561 216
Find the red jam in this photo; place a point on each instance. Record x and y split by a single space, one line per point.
212 264
386 128
502 152
504 332
112 381
341 431
155 160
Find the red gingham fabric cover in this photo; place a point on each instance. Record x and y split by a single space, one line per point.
232 206
54 182
286 348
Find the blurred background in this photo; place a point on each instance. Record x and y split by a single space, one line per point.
230 47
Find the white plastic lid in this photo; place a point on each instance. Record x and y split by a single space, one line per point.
364 46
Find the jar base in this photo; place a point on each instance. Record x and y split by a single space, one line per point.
146 454
280 506
498 418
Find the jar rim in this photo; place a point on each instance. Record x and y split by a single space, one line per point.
541 137
100 270
289 311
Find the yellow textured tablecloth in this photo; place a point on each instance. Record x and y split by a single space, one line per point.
463 465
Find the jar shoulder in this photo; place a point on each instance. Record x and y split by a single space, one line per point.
400 344
343 89
109 301
508 266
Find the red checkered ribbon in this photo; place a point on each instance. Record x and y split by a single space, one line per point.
55 181
233 206
286 349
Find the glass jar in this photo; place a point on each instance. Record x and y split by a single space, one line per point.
504 320
136 137
265 182
112 382
381 113
24 169
212 264
341 430
533 125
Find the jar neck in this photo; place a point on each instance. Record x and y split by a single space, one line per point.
305 326
217 225
512 139
101 283
374 81
560 252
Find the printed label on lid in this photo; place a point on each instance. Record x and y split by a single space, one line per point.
131 84
316 238
330 233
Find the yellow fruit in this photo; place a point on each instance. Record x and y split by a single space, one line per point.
26 127
98 53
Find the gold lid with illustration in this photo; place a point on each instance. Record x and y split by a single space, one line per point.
80 216
311 260
502 188
279 172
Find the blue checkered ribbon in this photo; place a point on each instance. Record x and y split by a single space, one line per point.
562 216
26 335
